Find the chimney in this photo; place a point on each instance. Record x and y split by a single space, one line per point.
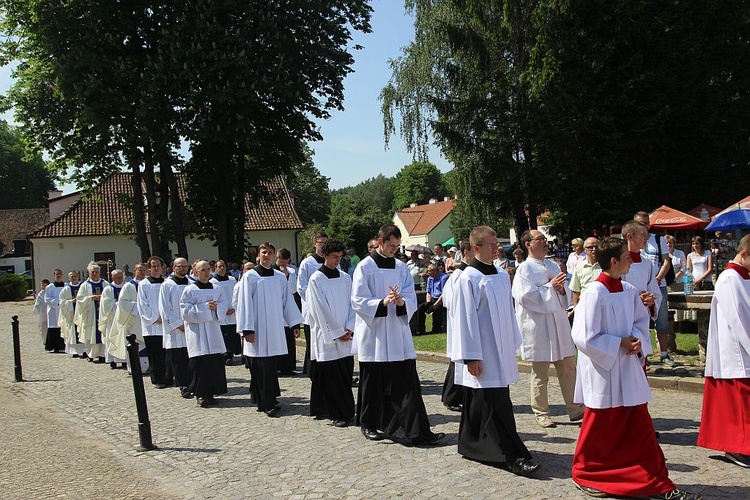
412 205
446 198
53 194
433 201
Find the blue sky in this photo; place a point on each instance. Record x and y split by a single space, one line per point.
352 149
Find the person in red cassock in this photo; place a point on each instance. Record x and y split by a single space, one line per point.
617 452
725 423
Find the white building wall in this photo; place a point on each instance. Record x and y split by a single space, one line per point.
18 263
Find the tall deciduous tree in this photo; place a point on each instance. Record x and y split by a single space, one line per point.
24 176
310 190
417 183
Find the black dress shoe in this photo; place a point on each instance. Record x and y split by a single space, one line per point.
113 365
185 392
339 423
431 438
453 408
212 400
203 403
523 467
273 412
371 434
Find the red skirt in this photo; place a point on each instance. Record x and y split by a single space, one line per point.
617 453
725 422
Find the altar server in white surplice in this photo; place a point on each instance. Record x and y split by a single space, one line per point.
227 282
174 342
331 318
264 307
617 453
203 307
148 309
453 393
88 302
725 424
541 301
487 337
107 313
390 394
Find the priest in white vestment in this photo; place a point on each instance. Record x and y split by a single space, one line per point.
88 302
107 313
541 302
73 343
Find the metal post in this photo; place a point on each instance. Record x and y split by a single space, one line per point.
144 424
17 350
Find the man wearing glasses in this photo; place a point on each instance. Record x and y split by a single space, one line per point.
541 303
586 271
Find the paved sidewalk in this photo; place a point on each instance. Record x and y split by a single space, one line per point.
232 451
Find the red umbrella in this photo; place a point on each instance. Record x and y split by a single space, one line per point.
665 218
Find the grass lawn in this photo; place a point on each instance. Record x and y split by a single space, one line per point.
687 343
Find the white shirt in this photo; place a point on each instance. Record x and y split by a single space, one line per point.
148 307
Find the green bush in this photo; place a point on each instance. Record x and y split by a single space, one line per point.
12 287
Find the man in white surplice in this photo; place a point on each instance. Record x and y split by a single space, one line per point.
486 337
390 395
331 318
539 291
264 307
203 307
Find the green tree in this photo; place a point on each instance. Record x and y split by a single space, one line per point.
310 190
417 183
25 176
356 221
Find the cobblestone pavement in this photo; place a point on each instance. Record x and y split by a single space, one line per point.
71 431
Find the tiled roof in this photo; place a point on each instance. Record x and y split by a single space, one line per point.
424 218
16 224
105 210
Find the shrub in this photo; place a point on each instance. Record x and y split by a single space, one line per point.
12 287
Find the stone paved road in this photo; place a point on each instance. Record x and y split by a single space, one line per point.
232 451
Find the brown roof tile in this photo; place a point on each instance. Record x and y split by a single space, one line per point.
424 218
17 223
104 211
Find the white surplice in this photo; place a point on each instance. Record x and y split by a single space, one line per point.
485 329
329 312
171 315
202 331
265 305
607 376
107 313
148 308
540 311
642 275
728 350
227 286
382 338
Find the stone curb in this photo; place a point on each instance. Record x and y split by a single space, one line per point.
684 384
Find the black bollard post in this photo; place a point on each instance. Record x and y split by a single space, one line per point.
17 350
144 424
